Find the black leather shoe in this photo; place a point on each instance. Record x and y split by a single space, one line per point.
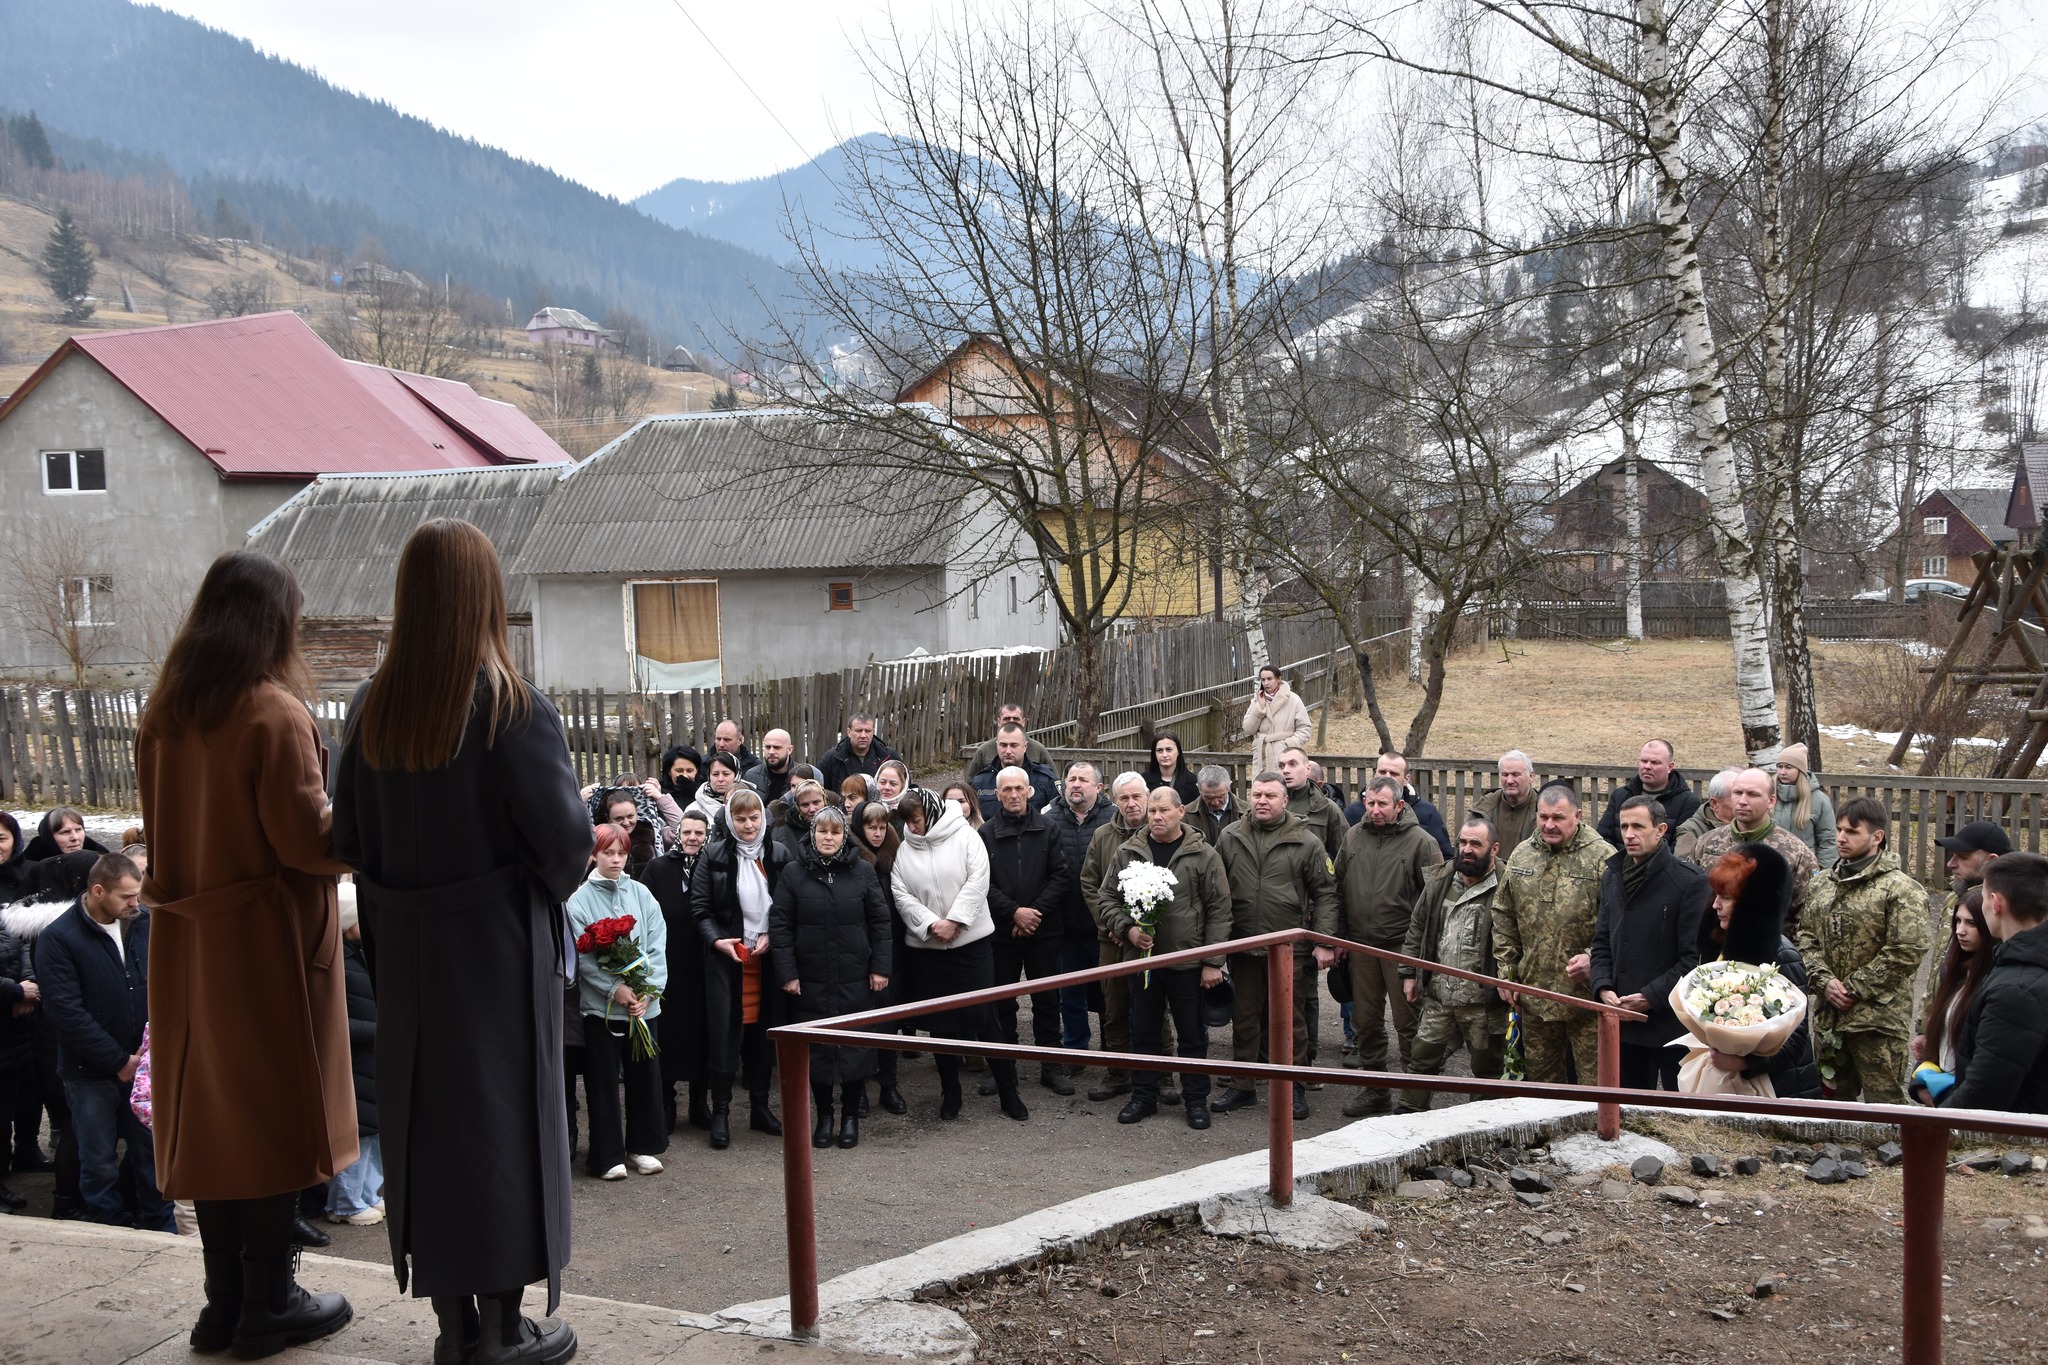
860 1106
849 1131
1110 1089
277 1314
28 1161
721 1129
1300 1103
761 1118
949 1104
1198 1115
306 1235
1233 1098
1013 1107
821 1127
1136 1111
215 1330
893 1101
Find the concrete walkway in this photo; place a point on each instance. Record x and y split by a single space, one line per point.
80 1294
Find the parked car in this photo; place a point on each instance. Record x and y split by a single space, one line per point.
1917 588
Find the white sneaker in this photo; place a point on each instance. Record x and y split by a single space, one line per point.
615 1173
364 1218
646 1165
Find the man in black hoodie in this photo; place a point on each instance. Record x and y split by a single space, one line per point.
2002 1051
1656 775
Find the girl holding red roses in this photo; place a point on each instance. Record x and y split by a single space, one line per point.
611 908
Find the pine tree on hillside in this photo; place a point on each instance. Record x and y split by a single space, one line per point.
725 400
27 135
67 267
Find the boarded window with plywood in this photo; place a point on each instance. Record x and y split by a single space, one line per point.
675 635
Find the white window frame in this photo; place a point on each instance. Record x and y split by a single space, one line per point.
96 589
1934 526
1934 566
71 460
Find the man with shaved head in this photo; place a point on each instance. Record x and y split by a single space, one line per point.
1752 797
771 777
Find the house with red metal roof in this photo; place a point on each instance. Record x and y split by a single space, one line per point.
130 459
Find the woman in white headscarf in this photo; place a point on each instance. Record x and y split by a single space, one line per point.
940 883
730 896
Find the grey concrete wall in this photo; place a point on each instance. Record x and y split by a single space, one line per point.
986 558
165 515
579 633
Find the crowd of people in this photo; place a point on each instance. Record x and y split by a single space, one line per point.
435 916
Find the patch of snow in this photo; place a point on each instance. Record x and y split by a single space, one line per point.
1892 736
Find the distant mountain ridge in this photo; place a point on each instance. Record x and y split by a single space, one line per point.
752 214
280 143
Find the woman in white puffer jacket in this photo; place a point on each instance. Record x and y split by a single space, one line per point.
940 884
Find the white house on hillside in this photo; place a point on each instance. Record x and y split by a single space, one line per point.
565 327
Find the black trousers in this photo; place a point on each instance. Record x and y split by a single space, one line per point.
608 1064
1645 1066
953 971
1180 990
1028 959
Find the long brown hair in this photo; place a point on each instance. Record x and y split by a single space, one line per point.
448 644
242 630
1960 974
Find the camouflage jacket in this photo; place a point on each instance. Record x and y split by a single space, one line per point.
1707 851
1543 915
1867 929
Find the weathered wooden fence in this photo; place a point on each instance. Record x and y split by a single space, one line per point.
1825 620
1923 808
65 747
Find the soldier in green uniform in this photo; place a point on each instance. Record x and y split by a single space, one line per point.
1863 936
1453 925
1543 916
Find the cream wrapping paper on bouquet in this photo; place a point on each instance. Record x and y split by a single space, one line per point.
1733 1007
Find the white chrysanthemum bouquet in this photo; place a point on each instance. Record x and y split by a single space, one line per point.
1145 889
1736 1008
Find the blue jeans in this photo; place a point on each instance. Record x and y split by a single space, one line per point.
361 1184
101 1119
1076 954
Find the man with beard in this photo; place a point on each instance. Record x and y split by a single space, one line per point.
1969 849
1453 925
771 777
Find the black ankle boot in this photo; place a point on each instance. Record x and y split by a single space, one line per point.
277 1314
721 1115
760 1117
821 1116
850 1107
506 1337
700 1106
893 1101
215 1330
460 1331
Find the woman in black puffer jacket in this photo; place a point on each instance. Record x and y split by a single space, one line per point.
1752 892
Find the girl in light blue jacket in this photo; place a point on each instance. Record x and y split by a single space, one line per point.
639 1135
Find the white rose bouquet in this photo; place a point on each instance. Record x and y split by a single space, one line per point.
1145 889
1737 1008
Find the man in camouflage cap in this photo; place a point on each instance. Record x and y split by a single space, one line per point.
1543 918
1863 936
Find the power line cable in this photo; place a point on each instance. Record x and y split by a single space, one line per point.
766 108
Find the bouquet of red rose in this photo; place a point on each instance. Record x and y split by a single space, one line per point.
611 943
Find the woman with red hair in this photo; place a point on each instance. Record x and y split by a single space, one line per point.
1752 891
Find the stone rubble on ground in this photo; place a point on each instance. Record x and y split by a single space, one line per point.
1310 1223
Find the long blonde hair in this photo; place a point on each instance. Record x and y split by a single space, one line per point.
1802 814
447 637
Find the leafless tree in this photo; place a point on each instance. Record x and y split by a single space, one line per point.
397 324
241 296
63 596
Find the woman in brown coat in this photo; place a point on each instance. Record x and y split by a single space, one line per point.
251 1077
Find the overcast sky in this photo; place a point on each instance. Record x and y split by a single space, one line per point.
622 95
625 95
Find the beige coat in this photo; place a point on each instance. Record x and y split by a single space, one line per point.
1274 725
249 1055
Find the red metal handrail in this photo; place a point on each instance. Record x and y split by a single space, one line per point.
1923 1131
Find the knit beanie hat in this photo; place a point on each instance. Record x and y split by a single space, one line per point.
1795 754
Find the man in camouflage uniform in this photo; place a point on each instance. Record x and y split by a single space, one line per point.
1752 796
1543 915
1453 925
1863 938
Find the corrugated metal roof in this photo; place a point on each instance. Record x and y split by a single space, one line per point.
342 534
264 397
714 493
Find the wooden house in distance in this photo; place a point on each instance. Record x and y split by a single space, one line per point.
1950 526
1585 548
2027 506
982 386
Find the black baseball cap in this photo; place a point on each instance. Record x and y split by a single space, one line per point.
1979 836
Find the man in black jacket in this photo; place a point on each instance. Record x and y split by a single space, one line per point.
772 776
1655 776
1647 937
93 963
1013 751
2002 1051
1078 813
1028 878
858 751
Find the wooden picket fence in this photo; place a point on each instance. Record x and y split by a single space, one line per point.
1923 808
68 747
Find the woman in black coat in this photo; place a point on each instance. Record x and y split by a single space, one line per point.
1752 886
681 1025
13 861
830 926
730 896
1169 768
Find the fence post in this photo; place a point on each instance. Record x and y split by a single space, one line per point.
1926 1170
1280 1094
1608 1066
799 1201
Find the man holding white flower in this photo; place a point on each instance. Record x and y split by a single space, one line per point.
1191 909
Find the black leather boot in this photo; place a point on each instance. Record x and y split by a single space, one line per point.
507 1337
277 1314
760 1117
1006 1086
700 1106
215 1330
460 1331
821 1116
950 1098
721 1113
